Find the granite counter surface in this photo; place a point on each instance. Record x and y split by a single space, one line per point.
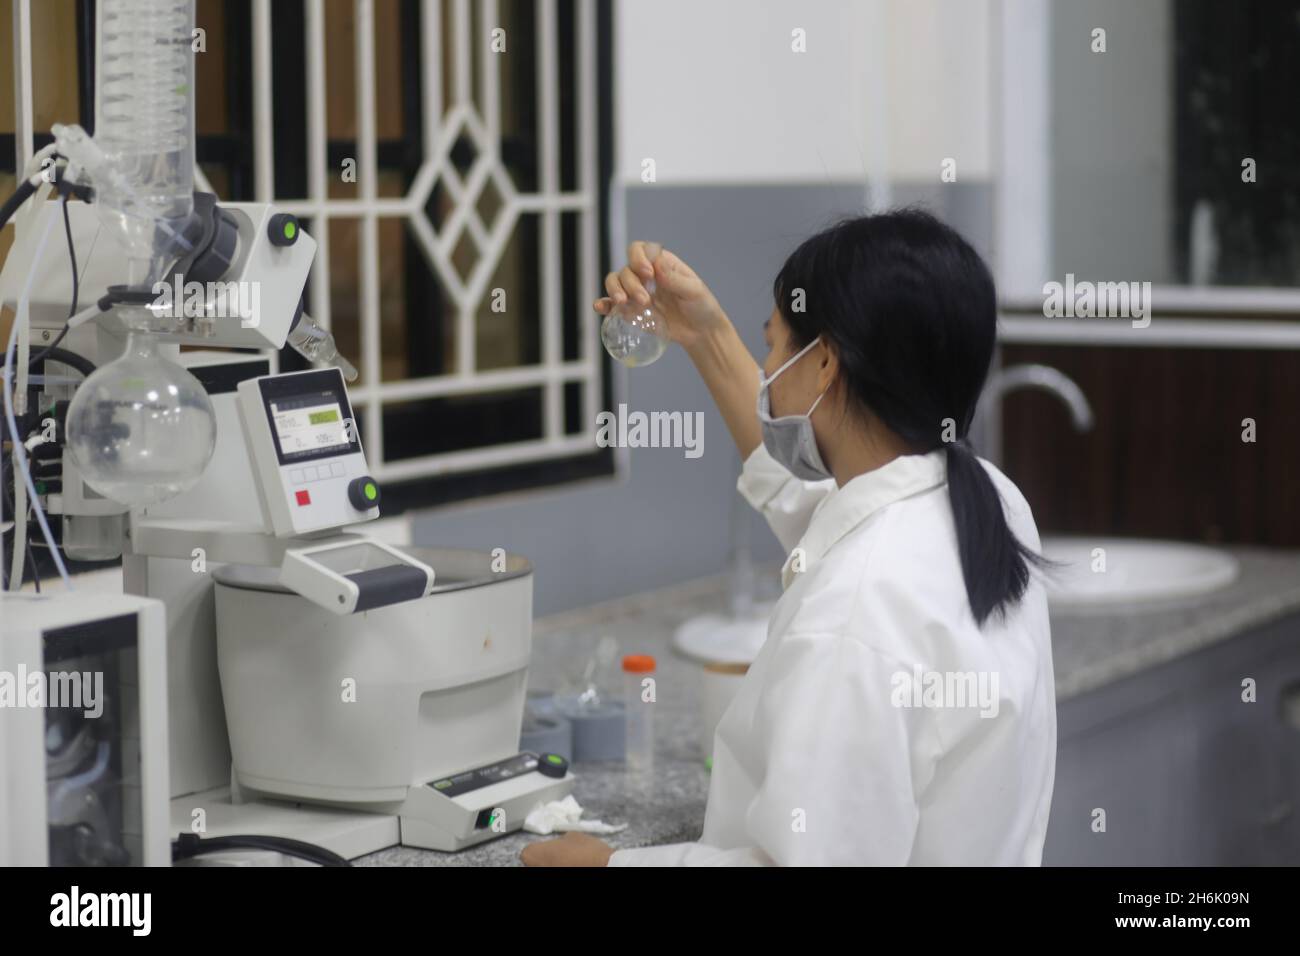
1089 651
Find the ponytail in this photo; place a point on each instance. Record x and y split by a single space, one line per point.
911 311
994 564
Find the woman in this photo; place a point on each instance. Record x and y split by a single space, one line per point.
902 709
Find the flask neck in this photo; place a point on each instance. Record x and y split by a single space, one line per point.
142 345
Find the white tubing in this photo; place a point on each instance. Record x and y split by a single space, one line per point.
34 165
22 222
84 316
26 221
20 452
19 556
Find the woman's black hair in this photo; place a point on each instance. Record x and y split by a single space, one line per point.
910 310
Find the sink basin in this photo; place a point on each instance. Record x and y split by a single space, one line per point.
1135 572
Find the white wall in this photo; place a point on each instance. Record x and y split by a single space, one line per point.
941 95
711 90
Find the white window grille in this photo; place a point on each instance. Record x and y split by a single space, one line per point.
449 113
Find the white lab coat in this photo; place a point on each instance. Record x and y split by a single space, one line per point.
827 755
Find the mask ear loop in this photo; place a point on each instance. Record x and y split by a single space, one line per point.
794 358
808 414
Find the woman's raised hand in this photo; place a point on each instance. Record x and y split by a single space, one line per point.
676 292
697 323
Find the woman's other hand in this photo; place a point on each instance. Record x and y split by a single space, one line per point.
679 295
572 849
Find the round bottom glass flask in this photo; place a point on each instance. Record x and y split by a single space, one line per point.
634 337
141 429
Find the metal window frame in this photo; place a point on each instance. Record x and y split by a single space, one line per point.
1023 227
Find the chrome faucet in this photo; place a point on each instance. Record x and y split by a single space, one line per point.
988 432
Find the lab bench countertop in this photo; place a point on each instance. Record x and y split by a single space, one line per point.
671 809
1089 651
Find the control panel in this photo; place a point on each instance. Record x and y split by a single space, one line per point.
306 454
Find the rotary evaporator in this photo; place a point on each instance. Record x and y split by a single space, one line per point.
302 681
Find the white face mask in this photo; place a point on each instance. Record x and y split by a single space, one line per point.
790 439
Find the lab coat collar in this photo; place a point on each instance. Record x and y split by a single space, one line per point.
847 507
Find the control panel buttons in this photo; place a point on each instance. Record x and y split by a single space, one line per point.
283 229
552 765
363 493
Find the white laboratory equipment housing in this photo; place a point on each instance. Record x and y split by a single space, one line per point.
83 742
297 678
426 691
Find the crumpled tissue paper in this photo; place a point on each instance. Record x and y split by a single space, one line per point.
561 815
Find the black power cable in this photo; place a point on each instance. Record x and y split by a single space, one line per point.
76 287
52 354
24 192
36 571
189 845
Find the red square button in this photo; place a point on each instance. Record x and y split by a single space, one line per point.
304 498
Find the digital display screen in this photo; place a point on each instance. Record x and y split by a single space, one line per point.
309 415
306 425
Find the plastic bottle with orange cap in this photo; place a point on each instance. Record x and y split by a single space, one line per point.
640 694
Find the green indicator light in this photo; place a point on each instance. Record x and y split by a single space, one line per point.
371 491
290 230
442 785
552 758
